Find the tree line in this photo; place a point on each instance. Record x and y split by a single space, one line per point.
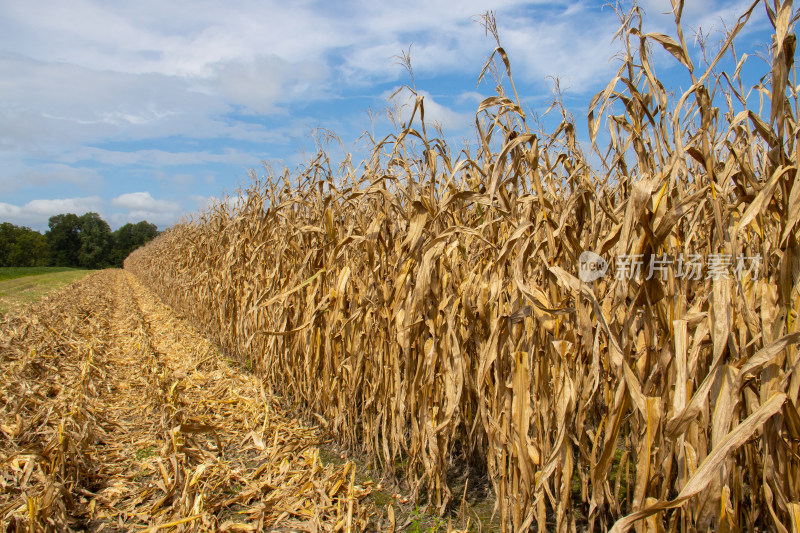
84 241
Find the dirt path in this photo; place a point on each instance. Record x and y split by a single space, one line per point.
116 416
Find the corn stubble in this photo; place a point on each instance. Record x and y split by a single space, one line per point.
117 416
427 309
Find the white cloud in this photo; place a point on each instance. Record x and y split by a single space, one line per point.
51 174
94 71
36 212
143 201
162 220
574 46
705 13
63 205
263 82
130 67
81 80
138 206
471 97
52 105
435 113
160 158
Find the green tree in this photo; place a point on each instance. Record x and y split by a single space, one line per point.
144 232
129 237
96 241
73 241
7 237
30 249
22 246
63 240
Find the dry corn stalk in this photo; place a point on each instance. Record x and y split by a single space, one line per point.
428 306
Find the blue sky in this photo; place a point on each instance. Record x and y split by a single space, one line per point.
149 109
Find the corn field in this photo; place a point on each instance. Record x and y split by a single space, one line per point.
427 308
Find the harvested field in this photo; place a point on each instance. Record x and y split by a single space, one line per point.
116 416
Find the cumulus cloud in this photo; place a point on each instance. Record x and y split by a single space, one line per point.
138 206
130 207
450 121
36 213
162 220
144 201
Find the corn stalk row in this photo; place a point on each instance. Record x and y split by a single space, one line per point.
427 307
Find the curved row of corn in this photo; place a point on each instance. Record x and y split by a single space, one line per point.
427 306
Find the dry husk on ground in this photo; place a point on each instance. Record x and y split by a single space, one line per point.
426 304
116 416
